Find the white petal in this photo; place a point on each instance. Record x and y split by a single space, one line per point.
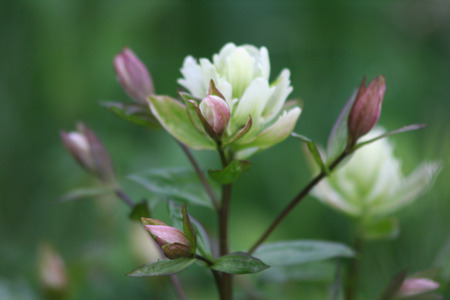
220 60
275 133
192 76
239 70
251 103
281 92
413 186
264 63
328 195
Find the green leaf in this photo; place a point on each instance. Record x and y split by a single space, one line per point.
163 267
178 183
393 286
140 210
392 132
188 230
381 229
135 113
301 251
203 244
314 152
85 193
239 263
337 141
174 118
231 173
315 271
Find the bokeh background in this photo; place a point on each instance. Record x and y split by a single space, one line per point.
56 65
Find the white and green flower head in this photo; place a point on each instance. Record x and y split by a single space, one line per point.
371 184
254 111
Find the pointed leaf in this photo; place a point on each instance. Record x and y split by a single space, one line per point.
392 132
393 286
174 118
301 251
315 271
85 193
135 113
202 238
163 267
240 133
231 173
140 210
177 183
214 91
188 230
337 141
239 263
314 151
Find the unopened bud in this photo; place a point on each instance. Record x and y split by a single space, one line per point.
133 76
366 109
52 271
89 152
215 110
173 241
416 286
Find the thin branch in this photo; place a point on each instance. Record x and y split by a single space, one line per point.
200 175
296 201
121 194
178 288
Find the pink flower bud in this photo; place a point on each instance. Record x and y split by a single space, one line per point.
173 241
133 76
89 152
215 110
416 286
366 109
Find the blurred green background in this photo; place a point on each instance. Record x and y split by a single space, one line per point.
56 65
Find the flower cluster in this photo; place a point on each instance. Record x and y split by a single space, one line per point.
233 94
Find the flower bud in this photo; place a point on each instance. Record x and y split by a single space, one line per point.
416 286
52 271
89 152
215 110
173 241
366 109
133 76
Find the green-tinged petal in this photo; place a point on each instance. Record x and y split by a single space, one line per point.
278 97
414 185
173 117
328 195
252 104
275 133
239 70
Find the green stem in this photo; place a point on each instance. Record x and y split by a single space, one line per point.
297 200
178 288
174 278
227 279
353 271
199 172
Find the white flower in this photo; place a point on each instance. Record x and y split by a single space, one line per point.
241 74
371 183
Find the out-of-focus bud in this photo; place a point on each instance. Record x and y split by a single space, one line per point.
173 241
366 109
89 152
52 272
416 286
133 76
215 110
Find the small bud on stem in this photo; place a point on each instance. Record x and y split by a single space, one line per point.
366 109
133 76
